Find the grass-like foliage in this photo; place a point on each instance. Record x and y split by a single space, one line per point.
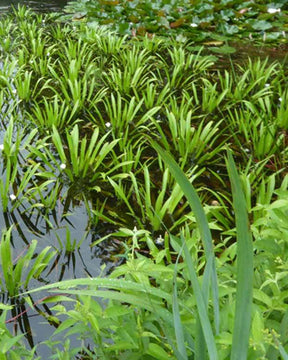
178 166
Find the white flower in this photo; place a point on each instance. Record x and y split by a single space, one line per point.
48 54
193 25
273 10
12 197
267 85
159 240
280 99
108 124
1 147
63 166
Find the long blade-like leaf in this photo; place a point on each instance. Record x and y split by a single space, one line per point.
201 305
244 286
179 331
201 219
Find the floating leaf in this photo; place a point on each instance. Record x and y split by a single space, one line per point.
223 50
177 23
261 25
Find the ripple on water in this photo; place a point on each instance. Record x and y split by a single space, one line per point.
37 5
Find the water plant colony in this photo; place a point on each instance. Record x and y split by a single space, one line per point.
184 167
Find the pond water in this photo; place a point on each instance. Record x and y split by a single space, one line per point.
37 5
84 261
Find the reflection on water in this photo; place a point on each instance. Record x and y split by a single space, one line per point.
49 230
37 5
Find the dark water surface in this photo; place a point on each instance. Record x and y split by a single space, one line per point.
84 261
37 5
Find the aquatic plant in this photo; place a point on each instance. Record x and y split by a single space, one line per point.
200 21
79 108
169 310
13 273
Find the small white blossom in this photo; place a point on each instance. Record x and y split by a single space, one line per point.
12 197
273 10
193 25
135 229
48 54
1 147
63 166
159 240
267 85
280 99
108 124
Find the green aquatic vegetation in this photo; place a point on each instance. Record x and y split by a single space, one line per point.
153 95
131 72
107 43
126 80
182 335
48 114
44 195
26 89
11 345
70 244
79 91
16 276
11 156
126 118
5 184
84 160
79 107
199 21
148 205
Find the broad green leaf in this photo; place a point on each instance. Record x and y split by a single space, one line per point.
157 352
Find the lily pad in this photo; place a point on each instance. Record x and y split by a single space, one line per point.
223 50
261 25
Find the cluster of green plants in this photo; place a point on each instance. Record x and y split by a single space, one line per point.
143 132
197 20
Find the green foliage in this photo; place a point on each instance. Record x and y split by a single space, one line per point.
184 307
13 275
80 108
11 346
198 21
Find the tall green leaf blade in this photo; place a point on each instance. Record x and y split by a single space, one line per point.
109 283
179 331
201 305
200 346
244 286
201 219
